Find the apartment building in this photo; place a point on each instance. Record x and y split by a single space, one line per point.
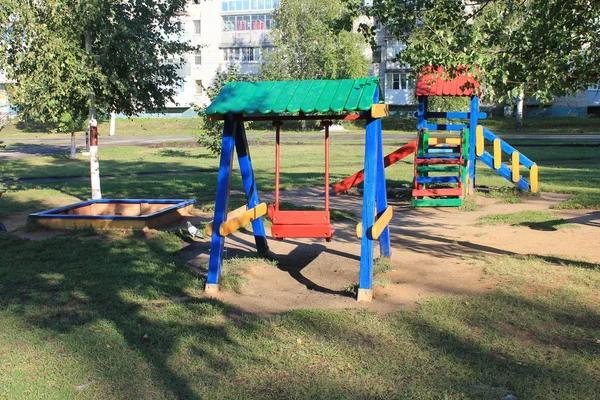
229 31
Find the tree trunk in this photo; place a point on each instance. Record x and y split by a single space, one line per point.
73 154
519 108
113 123
94 156
94 162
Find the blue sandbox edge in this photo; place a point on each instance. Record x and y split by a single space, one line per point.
53 213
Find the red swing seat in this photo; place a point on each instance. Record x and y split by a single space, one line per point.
300 223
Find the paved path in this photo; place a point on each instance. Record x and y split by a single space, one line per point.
20 148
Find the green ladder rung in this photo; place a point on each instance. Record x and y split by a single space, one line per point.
437 202
438 168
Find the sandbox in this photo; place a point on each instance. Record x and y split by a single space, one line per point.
115 213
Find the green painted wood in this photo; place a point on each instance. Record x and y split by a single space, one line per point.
296 101
310 101
341 96
436 202
286 96
233 97
437 168
244 98
324 103
258 97
295 96
368 94
213 108
266 106
355 94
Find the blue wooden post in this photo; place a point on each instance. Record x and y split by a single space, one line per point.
365 284
221 203
381 191
472 137
243 153
422 113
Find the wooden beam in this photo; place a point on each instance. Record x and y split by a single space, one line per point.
380 110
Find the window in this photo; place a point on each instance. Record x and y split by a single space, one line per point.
198 58
199 87
197 27
248 5
399 81
247 22
393 47
243 54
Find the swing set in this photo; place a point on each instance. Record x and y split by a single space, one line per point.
320 100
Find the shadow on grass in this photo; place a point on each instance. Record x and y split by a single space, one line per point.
128 293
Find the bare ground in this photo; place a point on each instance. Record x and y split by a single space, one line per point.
434 253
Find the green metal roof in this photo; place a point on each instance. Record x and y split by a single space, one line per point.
295 96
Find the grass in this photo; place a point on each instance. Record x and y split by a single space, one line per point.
234 271
124 127
126 321
539 220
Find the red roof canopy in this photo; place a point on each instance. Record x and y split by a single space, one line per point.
437 82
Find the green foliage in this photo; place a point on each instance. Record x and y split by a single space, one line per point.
314 40
544 47
67 57
212 131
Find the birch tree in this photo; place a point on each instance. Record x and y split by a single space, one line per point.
314 39
75 59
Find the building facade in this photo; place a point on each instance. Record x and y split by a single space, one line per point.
229 31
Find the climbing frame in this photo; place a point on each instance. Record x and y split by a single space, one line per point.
325 101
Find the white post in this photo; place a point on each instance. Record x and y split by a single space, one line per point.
94 161
113 123
520 107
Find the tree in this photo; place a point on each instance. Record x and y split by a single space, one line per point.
212 130
519 49
71 58
314 39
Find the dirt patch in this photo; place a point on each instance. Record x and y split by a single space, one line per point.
432 255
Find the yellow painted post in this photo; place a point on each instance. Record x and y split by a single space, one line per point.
232 214
209 229
497 154
378 226
479 140
382 222
232 225
380 110
515 166
533 178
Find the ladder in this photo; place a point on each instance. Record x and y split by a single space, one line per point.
439 170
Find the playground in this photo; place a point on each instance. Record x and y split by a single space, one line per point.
492 298
436 252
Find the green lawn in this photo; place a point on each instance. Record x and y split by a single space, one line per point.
124 127
105 317
137 126
98 316
191 172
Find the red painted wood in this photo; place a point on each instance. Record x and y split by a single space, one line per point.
298 217
458 83
434 161
326 125
277 162
390 159
438 192
302 231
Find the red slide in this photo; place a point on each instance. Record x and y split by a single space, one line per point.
390 159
